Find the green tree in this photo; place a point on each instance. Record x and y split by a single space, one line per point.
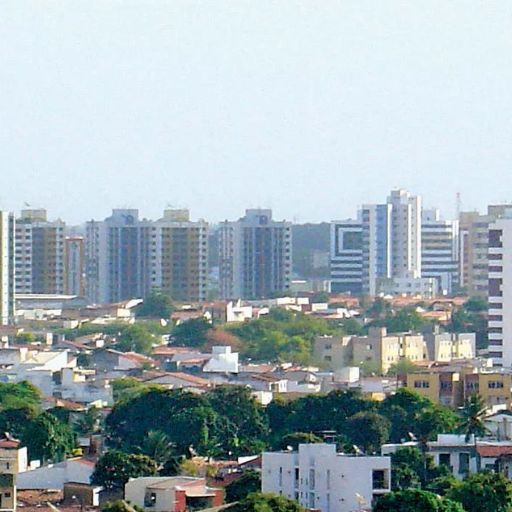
135 338
472 420
156 305
415 500
158 447
120 506
115 468
476 304
24 338
483 492
262 502
89 422
47 438
402 367
239 489
294 439
368 430
22 394
192 333
126 387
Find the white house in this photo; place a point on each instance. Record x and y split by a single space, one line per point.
321 479
222 361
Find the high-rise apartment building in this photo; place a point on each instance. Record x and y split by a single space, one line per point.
473 260
7 289
74 265
127 257
383 243
440 250
255 256
500 291
39 253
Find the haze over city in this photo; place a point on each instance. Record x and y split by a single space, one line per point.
310 108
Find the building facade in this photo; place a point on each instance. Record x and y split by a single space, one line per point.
74 265
127 257
39 253
500 291
7 268
321 479
440 251
255 256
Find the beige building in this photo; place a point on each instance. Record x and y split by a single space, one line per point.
474 246
333 352
386 350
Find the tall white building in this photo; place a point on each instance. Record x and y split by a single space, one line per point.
500 292
440 250
7 289
384 243
255 256
321 479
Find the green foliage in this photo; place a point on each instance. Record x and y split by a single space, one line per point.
47 438
262 502
281 336
412 468
404 320
115 468
20 395
402 367
24 338
294 439
239 489
158 447
156 305
368 430
409 412
476 304
192 333
126 387
472 420
120 506
84 360
89 422
135 338
224 421
483 492
415 500
471 318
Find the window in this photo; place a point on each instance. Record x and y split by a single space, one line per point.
444 459
379 479
280 477
312 479
421 384
463 463
149 499
328 479
495 384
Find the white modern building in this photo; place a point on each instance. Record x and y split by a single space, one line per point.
255 256
440 251
500 292
7 268
321 479
222 361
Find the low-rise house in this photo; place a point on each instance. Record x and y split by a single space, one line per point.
109 359
321 479
172 494
263 382
180 380
222 360
54 476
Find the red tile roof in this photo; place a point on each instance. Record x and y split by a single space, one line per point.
494 451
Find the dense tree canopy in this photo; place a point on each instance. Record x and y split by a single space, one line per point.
135 338
260 502
239 489
115 468
483 492
156 305
415 500
192 333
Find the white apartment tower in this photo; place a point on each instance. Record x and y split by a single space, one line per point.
7 290
321 479
500 292
382 244
255 256
440 250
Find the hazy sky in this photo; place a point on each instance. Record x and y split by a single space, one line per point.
308 107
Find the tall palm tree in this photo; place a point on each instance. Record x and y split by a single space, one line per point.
472 420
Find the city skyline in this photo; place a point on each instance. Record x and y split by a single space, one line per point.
219 107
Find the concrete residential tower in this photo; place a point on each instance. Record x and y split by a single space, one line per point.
255 256
7 290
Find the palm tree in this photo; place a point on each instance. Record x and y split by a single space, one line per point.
473 414
158 446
